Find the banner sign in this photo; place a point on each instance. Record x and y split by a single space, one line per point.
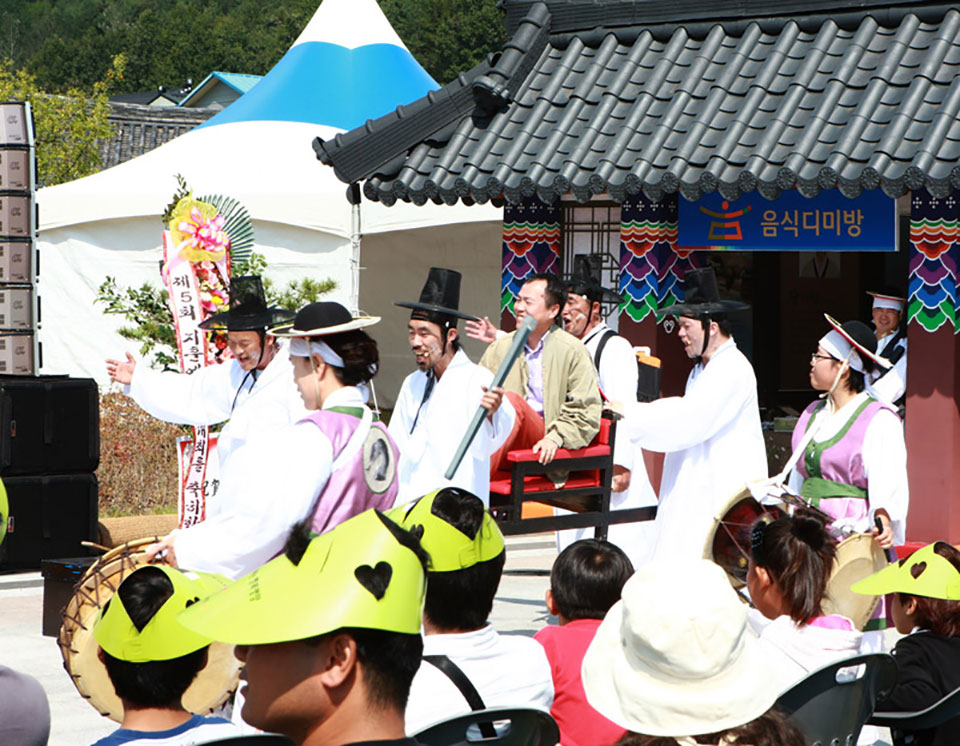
828 222
196 273
199 470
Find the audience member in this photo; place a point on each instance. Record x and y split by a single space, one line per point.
790 564
24 710
926 608
329 632
674 659
152 660
467 664
585 582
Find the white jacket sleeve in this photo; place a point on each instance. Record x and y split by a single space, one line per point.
204 397
618 381
680 422
885 462
271 485
892 384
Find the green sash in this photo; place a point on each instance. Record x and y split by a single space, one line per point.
815 488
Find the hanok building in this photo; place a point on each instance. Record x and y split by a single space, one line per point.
816 145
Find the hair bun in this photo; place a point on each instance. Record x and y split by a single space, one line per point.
809 528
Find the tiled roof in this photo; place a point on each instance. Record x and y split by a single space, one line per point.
859 99
142 128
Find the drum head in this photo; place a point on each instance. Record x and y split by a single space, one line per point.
858 557
210 689
728 543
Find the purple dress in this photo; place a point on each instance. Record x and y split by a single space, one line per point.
367 476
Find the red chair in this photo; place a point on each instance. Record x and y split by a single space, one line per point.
586 490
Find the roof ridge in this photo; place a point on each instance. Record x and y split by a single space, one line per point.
570 16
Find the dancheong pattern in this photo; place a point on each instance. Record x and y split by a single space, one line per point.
651 265
531 244
934 259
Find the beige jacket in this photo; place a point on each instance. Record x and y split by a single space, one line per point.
571 394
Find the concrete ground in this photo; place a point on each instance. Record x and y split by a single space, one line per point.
519 608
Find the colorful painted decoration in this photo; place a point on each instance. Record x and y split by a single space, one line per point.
934 260
531 244
651 265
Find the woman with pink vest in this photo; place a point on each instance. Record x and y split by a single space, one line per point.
854 462
335 463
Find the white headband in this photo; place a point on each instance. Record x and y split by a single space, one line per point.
880 302
300 347
839 347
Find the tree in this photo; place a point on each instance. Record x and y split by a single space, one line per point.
69 126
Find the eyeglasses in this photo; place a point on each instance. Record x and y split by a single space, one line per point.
814 357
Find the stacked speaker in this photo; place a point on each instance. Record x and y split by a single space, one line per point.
49 425
19 303
49 450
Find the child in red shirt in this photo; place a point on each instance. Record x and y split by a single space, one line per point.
586 580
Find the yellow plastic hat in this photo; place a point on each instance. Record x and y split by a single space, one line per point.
4 511
923 573
449 548
163 637
356 575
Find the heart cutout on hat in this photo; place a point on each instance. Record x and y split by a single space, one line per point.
918 569
375 579
417 530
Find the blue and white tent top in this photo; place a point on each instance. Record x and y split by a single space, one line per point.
347 66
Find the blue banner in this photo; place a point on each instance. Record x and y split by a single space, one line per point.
828 222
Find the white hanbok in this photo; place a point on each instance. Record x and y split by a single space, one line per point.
617 374
426 452
222 393
884 458
273 483
890 385
713 444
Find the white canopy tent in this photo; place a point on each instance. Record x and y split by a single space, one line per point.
348 65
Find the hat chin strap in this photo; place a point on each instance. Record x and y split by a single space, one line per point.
828 395
705 322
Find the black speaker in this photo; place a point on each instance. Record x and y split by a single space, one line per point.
48 425
49 517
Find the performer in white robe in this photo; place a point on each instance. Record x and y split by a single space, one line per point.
616 366
336 463
253 392
889 385
711 435
437 402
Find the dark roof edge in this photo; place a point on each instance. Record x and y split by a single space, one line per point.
663 32
381 144
584 15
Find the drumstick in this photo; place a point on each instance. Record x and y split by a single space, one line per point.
519 340
891 552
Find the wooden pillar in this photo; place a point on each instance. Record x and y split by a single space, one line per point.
933 370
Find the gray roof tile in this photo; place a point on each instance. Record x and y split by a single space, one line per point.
861 100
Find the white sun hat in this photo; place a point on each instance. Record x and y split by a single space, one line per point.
675 657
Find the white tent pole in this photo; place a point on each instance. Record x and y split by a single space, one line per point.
354 194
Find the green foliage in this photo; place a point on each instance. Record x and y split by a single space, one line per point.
69 43
151 323
149 315
69 126
448 37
